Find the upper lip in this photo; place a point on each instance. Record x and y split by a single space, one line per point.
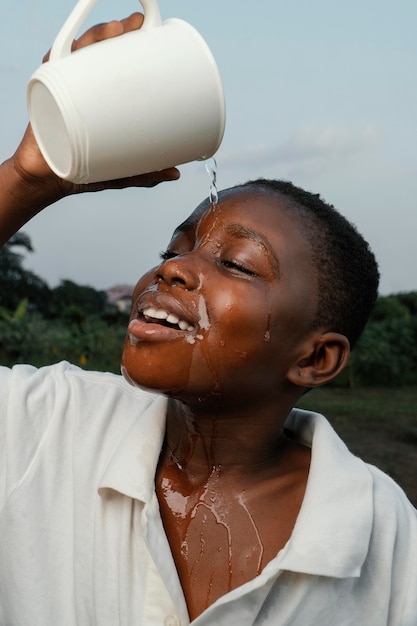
165 307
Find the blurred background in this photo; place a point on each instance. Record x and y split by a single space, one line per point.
322 93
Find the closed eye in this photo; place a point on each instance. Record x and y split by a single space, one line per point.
167 254
237 267
233 266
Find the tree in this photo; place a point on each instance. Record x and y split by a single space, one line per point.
76 302
16 282
386 354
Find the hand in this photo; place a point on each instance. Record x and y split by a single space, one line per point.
32 167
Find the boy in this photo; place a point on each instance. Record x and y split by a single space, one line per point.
198 493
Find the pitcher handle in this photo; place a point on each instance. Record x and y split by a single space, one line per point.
62 44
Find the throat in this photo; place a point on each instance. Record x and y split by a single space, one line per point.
223 530
205 446
214 537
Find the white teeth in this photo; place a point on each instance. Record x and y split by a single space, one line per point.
171 318
156 313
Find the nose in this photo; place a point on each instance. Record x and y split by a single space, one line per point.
179 271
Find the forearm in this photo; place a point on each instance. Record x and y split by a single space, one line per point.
26 190
21 198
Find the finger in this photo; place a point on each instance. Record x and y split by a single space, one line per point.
154 178
143 180
105 30
109 30
133 22
97 33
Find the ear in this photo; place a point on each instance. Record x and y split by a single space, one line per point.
324 356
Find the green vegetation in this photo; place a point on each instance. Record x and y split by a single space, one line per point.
40 325
94 342
387 351
372 404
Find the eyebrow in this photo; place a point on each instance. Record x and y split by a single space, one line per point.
239 232
242 232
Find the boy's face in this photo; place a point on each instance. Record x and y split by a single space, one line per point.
228 309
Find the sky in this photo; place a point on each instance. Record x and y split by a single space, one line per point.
321 93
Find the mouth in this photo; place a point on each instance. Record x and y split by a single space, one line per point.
162 321
166 318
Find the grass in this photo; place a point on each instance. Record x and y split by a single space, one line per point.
379 425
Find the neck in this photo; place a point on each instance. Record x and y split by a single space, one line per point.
230 486
201 442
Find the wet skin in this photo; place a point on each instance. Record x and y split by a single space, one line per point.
240 279
241 275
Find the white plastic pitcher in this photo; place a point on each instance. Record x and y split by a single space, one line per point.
142 102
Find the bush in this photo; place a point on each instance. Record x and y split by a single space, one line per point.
93 343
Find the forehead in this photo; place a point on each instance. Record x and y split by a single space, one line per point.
242 216
259 214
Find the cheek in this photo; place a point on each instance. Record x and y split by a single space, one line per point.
253 329
240 325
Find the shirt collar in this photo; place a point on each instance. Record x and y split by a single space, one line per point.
131 469
332 532
333 529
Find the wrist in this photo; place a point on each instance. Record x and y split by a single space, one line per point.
38 188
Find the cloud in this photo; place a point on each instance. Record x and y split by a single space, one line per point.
311 147
330 141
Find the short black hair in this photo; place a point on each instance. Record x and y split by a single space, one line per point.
347 271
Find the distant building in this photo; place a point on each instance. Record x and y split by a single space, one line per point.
120 297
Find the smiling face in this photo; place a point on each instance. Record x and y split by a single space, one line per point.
230 307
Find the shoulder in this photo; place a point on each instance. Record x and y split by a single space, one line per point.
331 456
62 407
31 399
393 544
362 514
59 377
391 504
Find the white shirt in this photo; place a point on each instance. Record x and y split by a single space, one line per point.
82 542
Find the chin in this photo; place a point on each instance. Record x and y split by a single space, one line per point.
145 380
160 369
